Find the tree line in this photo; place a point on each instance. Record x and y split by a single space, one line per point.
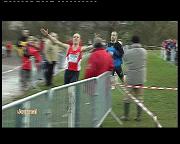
150 32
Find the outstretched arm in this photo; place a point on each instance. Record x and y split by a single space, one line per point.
54 40
87 48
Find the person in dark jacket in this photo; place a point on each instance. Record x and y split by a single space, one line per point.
114 47
99 61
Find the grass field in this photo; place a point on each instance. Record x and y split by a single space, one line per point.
163 103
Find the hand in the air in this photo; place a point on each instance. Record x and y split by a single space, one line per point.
44 32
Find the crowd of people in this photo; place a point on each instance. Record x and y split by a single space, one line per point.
169 50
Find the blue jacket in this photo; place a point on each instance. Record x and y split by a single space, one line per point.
117 59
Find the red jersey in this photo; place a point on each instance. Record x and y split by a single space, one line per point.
73 59
99 62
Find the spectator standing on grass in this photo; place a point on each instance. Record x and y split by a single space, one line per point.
176 56
173 50
164 49
73 56
99 61
51 55
168 50
135 61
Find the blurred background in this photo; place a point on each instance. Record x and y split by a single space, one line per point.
151 32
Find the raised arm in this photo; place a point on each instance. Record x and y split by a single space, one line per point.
87 48
53 39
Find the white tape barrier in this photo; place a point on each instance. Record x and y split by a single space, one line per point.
154 117
146 87
11 70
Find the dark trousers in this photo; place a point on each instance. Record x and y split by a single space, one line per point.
119 72
168 55
49 72
70 76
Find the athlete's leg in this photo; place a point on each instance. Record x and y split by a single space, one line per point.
119 73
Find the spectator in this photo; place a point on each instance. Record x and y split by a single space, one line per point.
99 61
51 56
9 47
176 56
173 50
163 49
3 50
135 60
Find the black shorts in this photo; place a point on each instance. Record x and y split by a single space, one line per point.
119 71
70 76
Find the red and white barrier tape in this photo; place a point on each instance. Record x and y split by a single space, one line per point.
145 87
154 117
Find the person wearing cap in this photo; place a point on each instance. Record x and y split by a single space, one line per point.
135 60
114 47
99 61
73 56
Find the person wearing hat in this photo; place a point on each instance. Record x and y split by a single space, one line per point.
99 61
135 60
73 55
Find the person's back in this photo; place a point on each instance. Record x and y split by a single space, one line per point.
135 59
99 62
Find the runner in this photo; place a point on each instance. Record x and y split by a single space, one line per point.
73 56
